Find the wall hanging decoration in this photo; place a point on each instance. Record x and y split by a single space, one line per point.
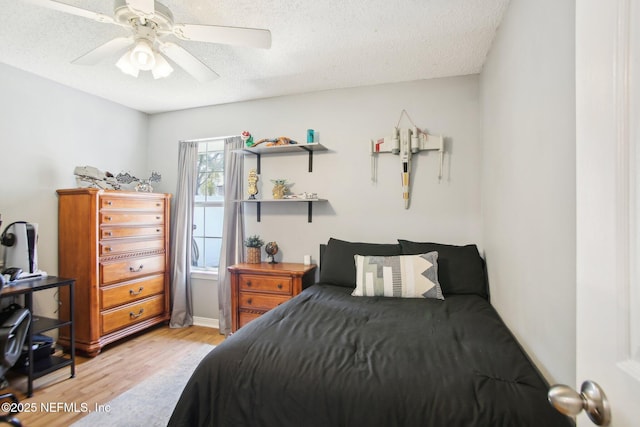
405 142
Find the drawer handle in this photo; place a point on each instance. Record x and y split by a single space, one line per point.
136 270
249 301
134 293
158 204
107 249
132 315
248 283
109 203
158 230
279 285
108 233
108 218
158 217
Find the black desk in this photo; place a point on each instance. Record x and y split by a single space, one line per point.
41 324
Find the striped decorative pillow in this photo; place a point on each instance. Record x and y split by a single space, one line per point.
403 276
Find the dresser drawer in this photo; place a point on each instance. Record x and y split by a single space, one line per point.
110 247
115 319
116 232
118 271
256 301
275 284
131 218
131 204
113 296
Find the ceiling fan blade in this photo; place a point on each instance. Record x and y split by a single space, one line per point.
104 51
188 62
144 8
67 8
251 37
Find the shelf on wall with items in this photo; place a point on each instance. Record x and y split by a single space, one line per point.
259 150
310 203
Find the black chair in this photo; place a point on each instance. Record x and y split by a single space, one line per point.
14 324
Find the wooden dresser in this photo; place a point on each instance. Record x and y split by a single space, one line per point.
116 245
257 288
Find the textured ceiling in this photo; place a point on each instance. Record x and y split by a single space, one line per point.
316 45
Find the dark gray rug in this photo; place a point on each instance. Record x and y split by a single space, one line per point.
151 402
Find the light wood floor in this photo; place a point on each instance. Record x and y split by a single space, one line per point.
117 368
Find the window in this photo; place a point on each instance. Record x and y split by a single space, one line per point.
208 209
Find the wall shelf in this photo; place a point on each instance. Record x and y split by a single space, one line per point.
309 202
259 150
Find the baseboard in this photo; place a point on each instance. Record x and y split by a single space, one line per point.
206 322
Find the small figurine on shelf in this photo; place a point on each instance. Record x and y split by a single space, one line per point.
279 188
247 138
272 142
271 249
253 184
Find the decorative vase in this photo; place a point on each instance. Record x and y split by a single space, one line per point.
253 256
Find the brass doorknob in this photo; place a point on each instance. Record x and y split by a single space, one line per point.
591 398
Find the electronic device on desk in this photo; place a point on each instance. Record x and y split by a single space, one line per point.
20 239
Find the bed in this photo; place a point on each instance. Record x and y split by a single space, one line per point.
330 358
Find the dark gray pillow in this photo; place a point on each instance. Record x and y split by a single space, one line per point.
338 263
460 268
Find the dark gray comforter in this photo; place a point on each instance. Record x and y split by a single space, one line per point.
326 358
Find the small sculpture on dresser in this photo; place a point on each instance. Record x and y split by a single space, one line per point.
271 249
143 185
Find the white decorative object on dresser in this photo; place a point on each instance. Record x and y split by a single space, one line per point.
115 244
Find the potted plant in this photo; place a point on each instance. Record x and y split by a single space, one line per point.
253 244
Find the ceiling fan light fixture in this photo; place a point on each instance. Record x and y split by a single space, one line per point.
125 65
142 55
162 68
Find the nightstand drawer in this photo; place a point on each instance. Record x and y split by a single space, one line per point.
246 317
256 301
275 284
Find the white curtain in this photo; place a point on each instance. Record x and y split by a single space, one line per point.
232 250
182 232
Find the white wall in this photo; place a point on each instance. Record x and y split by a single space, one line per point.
47 129
347 119
528 188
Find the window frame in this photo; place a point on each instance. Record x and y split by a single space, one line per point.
206 271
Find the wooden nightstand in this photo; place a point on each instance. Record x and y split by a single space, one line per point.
257 288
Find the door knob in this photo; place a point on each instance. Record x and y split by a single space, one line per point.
591 398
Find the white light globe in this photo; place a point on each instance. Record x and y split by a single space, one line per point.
142 55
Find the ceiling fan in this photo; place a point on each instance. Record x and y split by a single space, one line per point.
150 22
